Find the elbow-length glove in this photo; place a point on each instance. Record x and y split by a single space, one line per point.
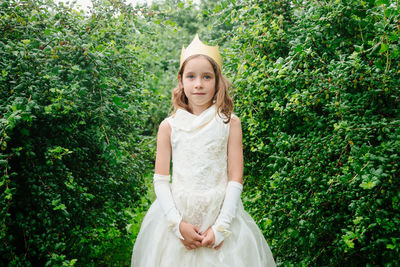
163 192
228 212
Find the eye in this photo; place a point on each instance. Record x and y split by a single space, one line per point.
190 76
207 77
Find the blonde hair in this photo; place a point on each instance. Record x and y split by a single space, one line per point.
222 100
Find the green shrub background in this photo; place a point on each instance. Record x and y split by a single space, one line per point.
315 85
73 124
319 98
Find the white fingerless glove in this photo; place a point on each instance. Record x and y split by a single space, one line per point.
228 212
164 196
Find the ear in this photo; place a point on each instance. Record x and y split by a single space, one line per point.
180 79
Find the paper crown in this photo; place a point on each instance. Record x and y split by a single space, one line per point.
196 47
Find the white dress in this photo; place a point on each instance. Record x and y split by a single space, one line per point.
199 180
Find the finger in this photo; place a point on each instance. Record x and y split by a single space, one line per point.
198 237
206 242
210 245
219 246
194 244
196 228
197 244
204 234
190 243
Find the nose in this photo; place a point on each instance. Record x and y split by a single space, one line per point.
198 83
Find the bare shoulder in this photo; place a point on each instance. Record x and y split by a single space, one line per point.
235 119
164 129
164 125
235 123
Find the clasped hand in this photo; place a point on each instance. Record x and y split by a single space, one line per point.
193 239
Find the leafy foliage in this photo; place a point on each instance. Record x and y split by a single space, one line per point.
316 88
72 125
317 91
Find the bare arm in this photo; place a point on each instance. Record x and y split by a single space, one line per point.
235 151
163 155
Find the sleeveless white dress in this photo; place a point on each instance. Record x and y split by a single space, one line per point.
199 180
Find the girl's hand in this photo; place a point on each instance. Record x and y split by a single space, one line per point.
209 239
190 233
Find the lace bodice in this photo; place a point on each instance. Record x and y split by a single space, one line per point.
199 157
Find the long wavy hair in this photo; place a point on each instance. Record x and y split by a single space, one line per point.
222 100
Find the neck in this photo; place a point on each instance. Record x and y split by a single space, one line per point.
197 110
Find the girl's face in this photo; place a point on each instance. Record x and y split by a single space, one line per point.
198 80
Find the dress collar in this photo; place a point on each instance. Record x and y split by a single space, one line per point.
187 121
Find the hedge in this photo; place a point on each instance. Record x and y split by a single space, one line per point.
317 90
73 125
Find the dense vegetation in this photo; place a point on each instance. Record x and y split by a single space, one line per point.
319 98
316 88
73 135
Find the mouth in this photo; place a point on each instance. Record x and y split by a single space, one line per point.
199 93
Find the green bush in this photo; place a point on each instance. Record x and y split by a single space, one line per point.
72 124
317 89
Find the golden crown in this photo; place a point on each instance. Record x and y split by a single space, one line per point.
196 47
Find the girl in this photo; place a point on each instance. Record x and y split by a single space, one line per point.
199 219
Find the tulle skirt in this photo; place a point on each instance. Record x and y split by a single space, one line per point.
156 246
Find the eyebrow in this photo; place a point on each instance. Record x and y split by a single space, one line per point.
193 72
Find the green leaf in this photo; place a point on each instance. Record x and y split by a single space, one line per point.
384 48
60 207
368 184
382 2
390 246
117 100
8 194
